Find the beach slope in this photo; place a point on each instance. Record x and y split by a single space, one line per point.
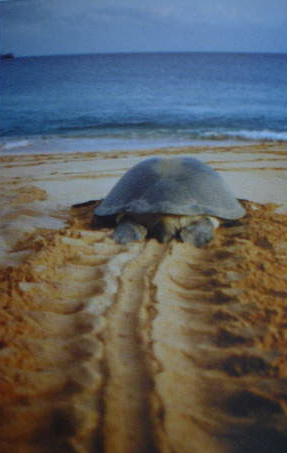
146 347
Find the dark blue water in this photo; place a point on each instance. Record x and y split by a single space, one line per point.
141 100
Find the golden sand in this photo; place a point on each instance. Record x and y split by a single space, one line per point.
148 347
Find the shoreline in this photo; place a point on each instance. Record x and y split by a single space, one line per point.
124 151
54 144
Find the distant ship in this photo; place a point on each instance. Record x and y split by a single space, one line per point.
6 56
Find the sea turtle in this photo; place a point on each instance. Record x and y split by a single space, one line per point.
169 197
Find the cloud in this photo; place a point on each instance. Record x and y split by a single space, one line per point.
53 26
222 12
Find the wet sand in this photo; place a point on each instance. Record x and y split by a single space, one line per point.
148 347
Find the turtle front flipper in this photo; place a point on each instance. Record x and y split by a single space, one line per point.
128 230
198 233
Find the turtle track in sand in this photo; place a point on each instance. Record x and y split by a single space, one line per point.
146 347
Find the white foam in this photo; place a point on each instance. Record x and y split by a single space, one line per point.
249 135
263 135
15 144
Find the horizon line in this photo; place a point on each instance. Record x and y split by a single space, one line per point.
139 52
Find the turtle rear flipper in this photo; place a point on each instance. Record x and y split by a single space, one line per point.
128 231
198 233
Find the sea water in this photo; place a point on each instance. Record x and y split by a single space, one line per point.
134 101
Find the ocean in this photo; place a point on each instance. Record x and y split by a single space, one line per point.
138 101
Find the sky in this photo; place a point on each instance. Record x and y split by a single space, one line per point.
47 27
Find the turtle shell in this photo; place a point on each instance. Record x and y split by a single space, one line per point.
178 185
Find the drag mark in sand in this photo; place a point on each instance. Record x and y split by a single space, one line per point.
127 419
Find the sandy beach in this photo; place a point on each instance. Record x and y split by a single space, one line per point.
145 347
